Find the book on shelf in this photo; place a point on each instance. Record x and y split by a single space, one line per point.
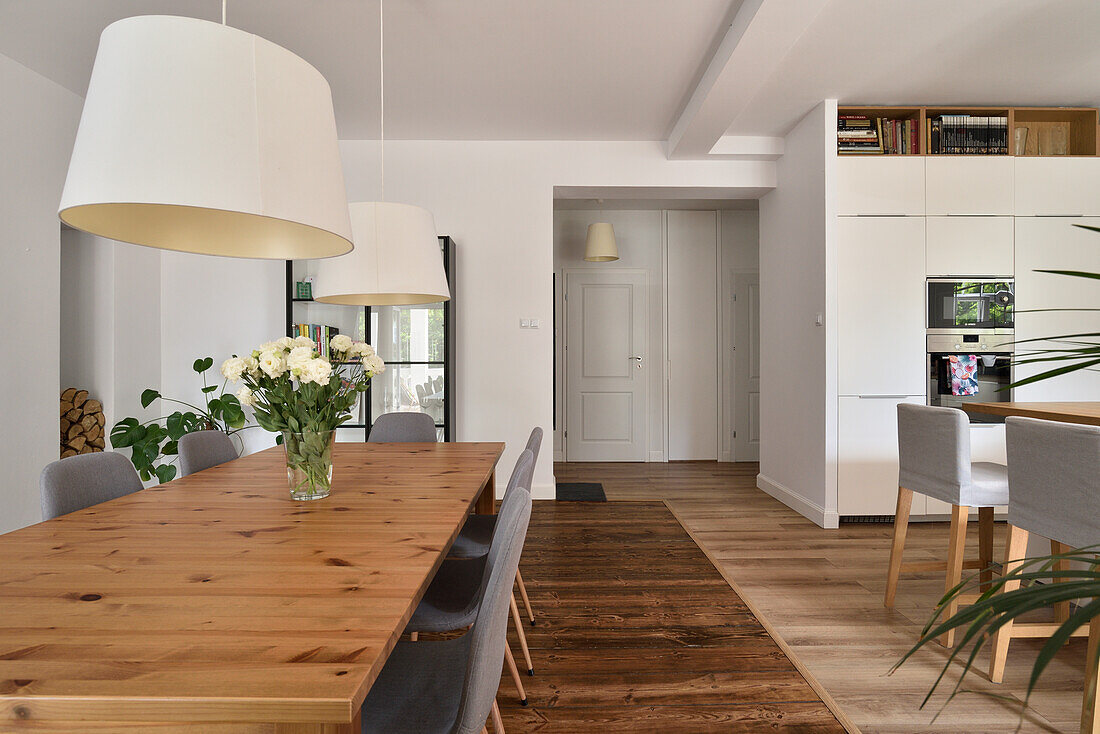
320 334
967 135
861 134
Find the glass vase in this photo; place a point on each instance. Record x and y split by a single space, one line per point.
309 463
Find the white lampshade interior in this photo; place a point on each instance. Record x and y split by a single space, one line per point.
203 138
396 261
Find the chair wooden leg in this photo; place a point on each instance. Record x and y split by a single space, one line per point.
1015 551
511 660
414 636
523 594
955 550
1090 710
901 525
522 636
1061 609
985 546
498 724
484 730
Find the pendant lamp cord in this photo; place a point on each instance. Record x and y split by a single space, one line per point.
223 12
382 99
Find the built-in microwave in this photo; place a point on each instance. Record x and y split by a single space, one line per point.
970 304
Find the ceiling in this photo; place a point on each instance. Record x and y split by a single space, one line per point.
455 69
693 73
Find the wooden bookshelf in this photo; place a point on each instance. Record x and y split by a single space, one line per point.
1080 126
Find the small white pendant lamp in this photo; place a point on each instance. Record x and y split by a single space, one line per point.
203 138
397 260
599 245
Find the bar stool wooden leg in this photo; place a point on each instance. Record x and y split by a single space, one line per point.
522 636
510 659
523 593
959 515
985 546
901 526
498 724
1090 711
1015 551
1061 609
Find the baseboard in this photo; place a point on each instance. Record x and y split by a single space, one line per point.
543 491
828 519
656 456
559 456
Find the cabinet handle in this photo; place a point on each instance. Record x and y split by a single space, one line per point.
885 397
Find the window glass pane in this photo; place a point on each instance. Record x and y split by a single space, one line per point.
415 388
408 333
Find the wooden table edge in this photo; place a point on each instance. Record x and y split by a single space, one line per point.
1041 410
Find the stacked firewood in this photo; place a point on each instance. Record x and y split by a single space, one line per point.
83 425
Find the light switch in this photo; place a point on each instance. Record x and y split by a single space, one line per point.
534 323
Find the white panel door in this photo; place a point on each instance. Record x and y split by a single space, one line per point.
880 185
867 456
1057 186
1053 243
692 277
970 246
969 184
880 306
605 363
746 361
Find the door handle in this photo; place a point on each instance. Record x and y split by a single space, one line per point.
636 359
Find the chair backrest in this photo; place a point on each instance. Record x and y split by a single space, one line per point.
1054 473
403 428
204 449
81 481
934 451
534 442
488 635
420 393
522 473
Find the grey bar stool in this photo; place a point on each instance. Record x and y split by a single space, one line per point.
81 481
403 428
934 460
449 686
1054 469
204 449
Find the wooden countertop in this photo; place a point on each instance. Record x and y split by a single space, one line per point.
216 598
1066 412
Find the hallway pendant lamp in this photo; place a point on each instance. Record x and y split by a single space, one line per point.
599 245
397 260
203 138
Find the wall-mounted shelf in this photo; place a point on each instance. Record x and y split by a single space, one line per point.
1062 131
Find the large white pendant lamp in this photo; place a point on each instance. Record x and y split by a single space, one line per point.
599 244
203 138
397 260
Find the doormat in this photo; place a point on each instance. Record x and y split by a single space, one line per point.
580 492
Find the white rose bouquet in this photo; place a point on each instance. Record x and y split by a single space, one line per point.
303 397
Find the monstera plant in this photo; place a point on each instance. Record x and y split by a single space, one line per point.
153 442
1041 584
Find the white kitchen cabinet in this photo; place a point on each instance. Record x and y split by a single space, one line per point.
1057 186
970 246
968 185
1054 243
880 306
880 185
867 456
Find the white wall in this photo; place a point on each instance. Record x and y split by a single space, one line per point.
638 235
496 200
798 381
38 122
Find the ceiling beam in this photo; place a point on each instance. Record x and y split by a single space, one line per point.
757 40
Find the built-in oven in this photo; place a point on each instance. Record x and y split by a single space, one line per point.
969 367
981 305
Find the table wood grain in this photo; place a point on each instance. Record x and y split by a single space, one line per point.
215 598
1066 412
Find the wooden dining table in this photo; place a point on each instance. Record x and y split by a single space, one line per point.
1066 412
216 604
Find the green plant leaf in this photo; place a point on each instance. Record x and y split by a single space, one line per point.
171 448
202 365
166 473
148 396
175 426
127 432
209 388
1072 273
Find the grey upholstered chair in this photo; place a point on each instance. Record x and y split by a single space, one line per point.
452 598
403 428
1054 469
449 686
934 460
204 449
81 481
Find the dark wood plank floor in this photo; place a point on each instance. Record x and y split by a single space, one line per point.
637 631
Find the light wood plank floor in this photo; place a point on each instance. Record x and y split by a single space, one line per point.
821 590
